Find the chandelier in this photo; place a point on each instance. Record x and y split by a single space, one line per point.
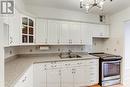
88 4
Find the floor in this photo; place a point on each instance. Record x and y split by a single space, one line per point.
117 86
109 86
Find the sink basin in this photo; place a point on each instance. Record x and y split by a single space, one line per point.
62 56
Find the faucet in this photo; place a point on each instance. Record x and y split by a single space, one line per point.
69 53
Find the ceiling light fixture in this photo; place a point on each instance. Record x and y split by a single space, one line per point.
88 4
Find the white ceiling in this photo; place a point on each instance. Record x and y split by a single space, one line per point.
109 7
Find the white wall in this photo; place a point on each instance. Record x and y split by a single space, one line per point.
98 44
1 54
55 13
115 44
10 52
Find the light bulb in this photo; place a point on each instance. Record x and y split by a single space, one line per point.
87 7
81 0
101 3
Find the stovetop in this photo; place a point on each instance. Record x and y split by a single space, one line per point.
106 55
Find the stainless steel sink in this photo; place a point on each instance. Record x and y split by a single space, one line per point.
69 55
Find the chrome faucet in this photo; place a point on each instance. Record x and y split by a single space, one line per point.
69 53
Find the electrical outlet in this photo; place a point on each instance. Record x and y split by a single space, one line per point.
82 49
115 50
10 52
58 49
30 50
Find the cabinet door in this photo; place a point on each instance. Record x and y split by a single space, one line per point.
39 75
93 74
29 77
65 29
75 33
67 77
86 34
80 76
41 31
53 78
100 30
53 32
14 29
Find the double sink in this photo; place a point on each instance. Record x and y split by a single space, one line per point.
69 54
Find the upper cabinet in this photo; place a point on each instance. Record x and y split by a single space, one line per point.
100 31
28 30
65 32
11 29
19 30
41 31
86 34
75 33
52 32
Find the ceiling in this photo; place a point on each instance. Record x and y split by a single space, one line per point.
109 7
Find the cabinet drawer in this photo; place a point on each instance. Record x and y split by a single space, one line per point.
53 65
92 82
68 64
92 62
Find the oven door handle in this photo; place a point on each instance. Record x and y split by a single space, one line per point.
119 61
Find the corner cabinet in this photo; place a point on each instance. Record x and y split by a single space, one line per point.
27 79
27 30
19 30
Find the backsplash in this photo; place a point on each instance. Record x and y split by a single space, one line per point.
10 51
53 49
98 46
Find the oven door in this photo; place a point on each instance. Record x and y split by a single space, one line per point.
111 70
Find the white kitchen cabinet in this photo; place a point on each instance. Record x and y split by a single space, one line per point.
41 31
40 75
53 78
27 79
75 33
65 33
100 31
67 77
53 32
66 74
27 30
80 76
14 29
86 34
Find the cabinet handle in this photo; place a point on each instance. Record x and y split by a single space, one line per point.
58 41
46 41
81 41
101 34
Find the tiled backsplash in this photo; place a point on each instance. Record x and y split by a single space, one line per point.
11 51
53 49
98 46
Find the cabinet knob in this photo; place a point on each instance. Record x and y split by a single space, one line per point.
46 41
58 41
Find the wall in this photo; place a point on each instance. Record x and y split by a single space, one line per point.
52 49
54 13
10 52
1 53
98 44
115 44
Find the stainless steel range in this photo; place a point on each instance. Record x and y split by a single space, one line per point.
110 68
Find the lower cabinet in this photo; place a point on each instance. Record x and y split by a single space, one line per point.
53 78
27 79
67 75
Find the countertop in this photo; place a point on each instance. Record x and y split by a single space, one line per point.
15 68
